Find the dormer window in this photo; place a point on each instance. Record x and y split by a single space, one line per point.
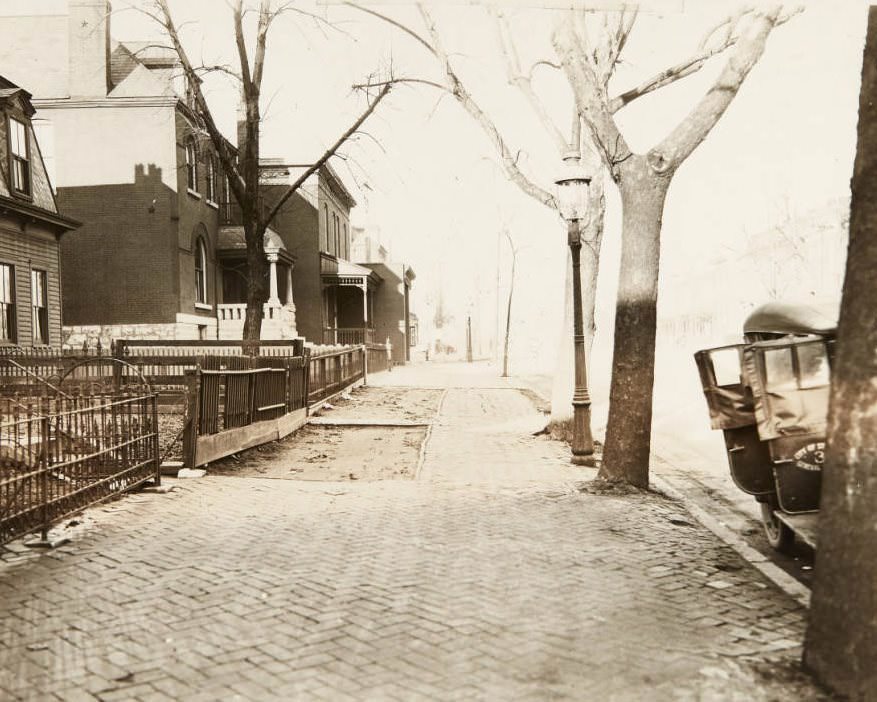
191 165
19 155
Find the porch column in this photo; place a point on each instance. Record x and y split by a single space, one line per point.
364 287
289 299
273 298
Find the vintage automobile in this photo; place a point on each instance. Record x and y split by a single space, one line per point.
769 396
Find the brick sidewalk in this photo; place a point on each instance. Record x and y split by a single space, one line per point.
490 577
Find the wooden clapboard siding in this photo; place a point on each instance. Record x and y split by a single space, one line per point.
27 251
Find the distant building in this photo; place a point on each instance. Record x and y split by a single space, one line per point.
391 312
30 230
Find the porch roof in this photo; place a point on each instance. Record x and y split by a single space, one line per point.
343 272
231 241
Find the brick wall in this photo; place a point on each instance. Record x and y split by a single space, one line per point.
298 225
197 217
118 267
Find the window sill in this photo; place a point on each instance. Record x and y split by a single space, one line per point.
203 306
212 204
194 193
18 195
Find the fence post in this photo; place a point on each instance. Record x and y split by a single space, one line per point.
44 476
153 398
193 416
306 353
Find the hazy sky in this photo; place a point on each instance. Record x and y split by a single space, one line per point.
428 177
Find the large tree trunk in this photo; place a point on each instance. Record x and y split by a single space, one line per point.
628 432
841 641
257 283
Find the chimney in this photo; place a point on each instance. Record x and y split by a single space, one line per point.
89 52
242 124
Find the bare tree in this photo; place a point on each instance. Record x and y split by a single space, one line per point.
508 317
451 82
242 166
841 641
643 180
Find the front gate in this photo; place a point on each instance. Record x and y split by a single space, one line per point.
64 452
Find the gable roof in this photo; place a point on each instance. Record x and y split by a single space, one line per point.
141 82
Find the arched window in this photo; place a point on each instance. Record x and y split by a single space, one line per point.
200 271
212 172
191 164
324 234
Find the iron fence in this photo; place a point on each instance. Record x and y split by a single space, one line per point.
61 454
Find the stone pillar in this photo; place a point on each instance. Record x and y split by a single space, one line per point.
273 298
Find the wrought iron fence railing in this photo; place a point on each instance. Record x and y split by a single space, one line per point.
61 454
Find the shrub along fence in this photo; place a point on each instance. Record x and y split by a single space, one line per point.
61 454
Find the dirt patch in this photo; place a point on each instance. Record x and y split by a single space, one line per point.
170 435
386 404
597 486
332 454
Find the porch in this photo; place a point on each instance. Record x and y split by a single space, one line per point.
348 292
278 320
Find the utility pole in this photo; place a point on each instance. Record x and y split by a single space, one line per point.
469 339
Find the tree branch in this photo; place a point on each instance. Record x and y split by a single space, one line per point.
327 155
686 67
687 135
587 90
458 90
455 87
265 18
399 81
522 82
389 20
223 149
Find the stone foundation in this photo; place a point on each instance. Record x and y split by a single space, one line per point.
76 336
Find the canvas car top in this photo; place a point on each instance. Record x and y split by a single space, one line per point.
791 318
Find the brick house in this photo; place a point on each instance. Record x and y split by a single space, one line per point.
132 163
30 230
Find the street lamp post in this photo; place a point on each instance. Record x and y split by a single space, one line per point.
572 196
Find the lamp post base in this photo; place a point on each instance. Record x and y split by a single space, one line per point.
584 460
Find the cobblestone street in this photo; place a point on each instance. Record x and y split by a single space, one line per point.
491 575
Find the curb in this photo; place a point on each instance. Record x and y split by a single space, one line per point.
772 572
